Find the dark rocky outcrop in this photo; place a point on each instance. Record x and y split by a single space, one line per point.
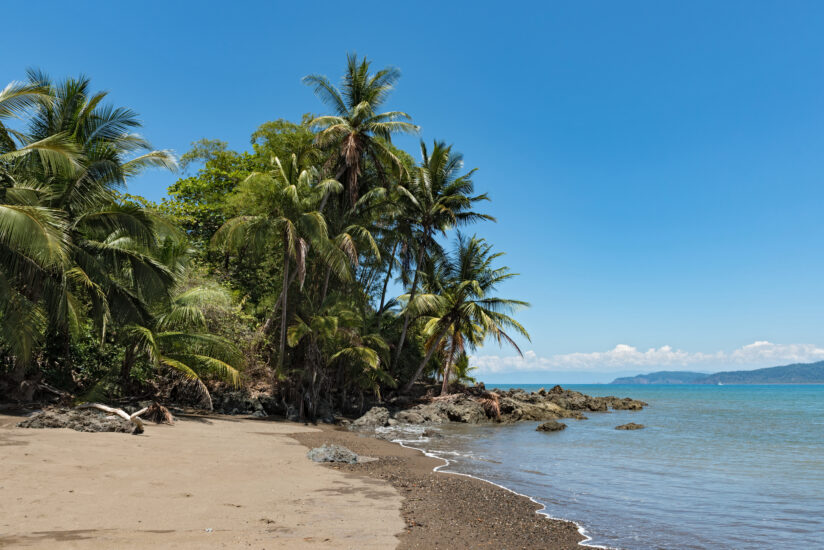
476 405
376 417
551 426
82 420
630 426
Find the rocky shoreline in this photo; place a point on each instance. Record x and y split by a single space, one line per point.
476 405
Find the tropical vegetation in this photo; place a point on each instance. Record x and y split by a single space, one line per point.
314 265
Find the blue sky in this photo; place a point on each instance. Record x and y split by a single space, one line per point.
656 167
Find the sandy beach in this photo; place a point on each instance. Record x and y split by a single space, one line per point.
224 482
213 483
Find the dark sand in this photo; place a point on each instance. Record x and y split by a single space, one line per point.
448 511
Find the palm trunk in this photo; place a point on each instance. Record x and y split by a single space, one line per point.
284 293
271 319
447 366
386 283
432 348
126 367
406 318
325 284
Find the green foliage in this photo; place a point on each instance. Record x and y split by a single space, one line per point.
280 257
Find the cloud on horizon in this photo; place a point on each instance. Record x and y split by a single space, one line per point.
623 357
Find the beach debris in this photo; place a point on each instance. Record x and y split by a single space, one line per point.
374 417
332 453
630 426
551 426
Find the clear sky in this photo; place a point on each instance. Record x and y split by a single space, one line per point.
656 167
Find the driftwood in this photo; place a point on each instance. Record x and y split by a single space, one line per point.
133 418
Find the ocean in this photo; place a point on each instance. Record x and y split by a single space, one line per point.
717 467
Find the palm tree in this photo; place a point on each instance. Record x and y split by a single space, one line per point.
438 198
340 336
64 234
286 203
178 339
463 306
357 130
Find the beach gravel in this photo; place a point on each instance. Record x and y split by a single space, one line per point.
442 510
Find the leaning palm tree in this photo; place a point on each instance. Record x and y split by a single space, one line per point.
357 131
283 214
437 199
463 306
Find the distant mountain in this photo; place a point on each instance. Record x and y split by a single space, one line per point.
800 373
662 377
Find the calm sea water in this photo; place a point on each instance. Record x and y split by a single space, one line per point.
717 467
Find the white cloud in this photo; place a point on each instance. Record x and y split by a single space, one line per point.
624 357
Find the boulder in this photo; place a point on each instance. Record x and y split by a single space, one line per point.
332 453
464 409
375 417
410 416
551 426
630 426
82 420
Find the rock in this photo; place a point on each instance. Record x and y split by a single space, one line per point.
410 416
236 402
332 453
626 404
259 414
551 426
463 409
82 420
630 426
375 417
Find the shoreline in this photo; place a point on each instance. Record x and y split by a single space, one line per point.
541 512
445 509
406 487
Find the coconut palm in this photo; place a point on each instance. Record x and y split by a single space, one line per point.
284 215
64 234
178 339
437 199
339 336
356 130
461 304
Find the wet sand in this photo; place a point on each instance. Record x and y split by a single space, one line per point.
449 511
227 482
